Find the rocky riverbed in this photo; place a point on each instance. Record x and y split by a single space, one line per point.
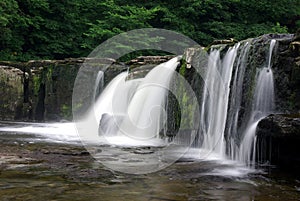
34 169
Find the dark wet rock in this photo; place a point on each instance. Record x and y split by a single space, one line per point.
81 153
287 76
142 60
143 151
140 66
42 90
109 124
190 72
11 92
230 41
279 139
280 125
185 160
140 72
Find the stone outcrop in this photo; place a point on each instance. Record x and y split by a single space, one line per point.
42 90
280 126
142 60
287 76
11 91
279 134
279 139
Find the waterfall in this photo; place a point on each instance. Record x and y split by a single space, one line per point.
136 108
215 99
238 92
103 104
236 99
221 106
263 105
146 112
99 83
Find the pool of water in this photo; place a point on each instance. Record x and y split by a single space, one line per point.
34 166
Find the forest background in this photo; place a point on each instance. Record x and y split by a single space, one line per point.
57 29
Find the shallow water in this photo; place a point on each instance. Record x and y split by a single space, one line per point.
34 167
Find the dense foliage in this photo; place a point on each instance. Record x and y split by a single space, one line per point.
33 29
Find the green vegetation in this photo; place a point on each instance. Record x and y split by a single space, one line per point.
66 111
182 67
44 29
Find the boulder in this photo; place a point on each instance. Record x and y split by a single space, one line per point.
279 140
280 126
109 124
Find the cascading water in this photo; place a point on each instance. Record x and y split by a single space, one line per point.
263 104
222 102
236 99
215 99
103 104
146 112
99 83
223 108
135 108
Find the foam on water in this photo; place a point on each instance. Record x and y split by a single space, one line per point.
221 166
50 132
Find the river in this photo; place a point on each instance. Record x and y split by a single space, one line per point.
37 162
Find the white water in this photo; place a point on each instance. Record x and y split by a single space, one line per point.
146 112
104 102
130 109
236 99
49 132
215 100
263 105
99 83
132 112
221 104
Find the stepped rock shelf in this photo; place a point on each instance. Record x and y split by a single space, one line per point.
42 91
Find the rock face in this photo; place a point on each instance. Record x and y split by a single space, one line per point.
41 90
287 76
11 91
191 70
280 126
279 134
143 60
279 139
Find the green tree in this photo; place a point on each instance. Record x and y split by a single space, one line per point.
12 24
116 19
33 29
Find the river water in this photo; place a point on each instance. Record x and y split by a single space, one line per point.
47 161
